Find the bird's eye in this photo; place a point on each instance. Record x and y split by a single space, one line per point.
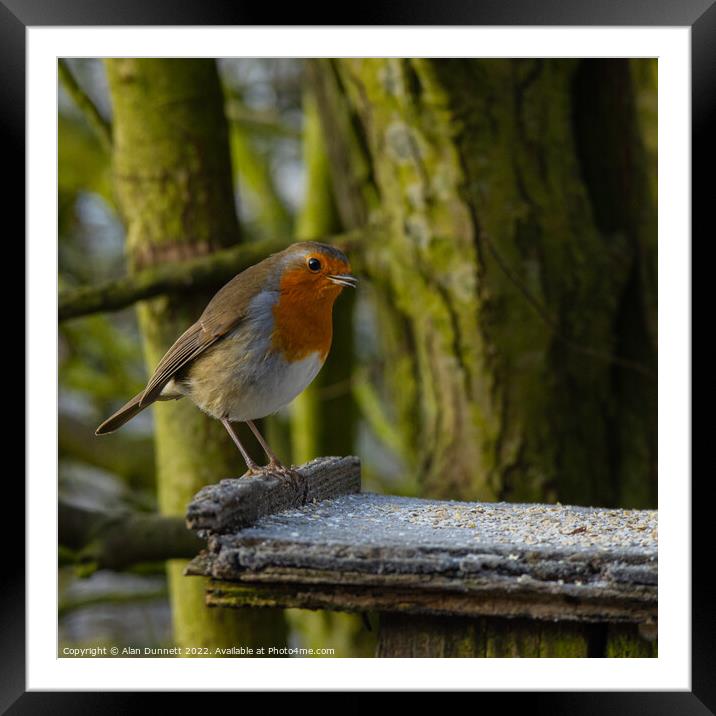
314 264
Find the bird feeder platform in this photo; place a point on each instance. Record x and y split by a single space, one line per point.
447 578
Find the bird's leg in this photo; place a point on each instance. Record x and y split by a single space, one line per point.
274 465
274 462
254 469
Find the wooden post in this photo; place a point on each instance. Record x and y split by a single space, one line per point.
402 635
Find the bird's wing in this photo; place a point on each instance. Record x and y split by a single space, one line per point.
224 312
188 346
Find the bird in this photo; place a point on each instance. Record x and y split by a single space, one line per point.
259 342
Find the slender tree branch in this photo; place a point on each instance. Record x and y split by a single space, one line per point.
255 173
371 408
85 104
121 538
205 272
259 121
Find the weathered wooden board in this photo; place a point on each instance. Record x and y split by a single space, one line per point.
235 503
393 554
404 635
407 635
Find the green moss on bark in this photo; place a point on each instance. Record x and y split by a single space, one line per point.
423 636
502 299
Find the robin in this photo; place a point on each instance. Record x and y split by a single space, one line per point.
261 340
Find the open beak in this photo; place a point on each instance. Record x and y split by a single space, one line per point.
344 279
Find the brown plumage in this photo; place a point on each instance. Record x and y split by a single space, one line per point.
223 312
259 342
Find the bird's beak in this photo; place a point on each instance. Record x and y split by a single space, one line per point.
344 279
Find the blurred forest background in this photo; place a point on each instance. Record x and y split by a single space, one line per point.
501 345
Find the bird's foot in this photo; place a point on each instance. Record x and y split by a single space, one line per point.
286 473
274 468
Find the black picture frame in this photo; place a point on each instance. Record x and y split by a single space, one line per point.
699 15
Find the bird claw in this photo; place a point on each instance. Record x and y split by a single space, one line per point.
286 473
276 469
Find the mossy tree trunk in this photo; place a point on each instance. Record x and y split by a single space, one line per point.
512 270
173 183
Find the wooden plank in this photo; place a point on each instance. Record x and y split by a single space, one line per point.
385 553
419 637
356 593
236 503
560 640
447 578
631 641
403 635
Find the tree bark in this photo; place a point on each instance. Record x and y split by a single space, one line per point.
512 274
173 182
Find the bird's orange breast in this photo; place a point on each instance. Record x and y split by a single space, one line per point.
303 322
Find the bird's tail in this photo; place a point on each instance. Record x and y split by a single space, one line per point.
125 413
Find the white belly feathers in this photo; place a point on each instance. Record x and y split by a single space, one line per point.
241 377
280 384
